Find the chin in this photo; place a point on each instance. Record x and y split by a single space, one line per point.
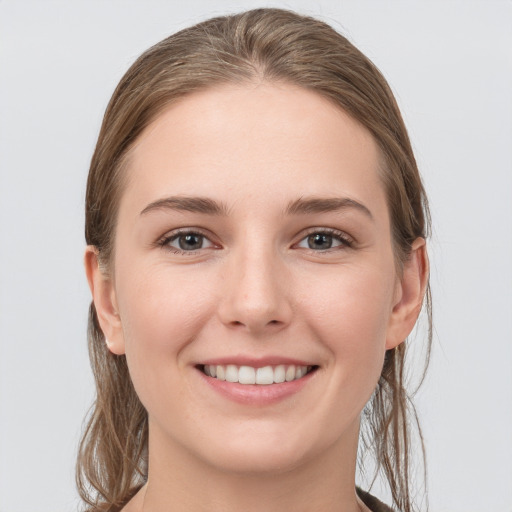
257 460
262 451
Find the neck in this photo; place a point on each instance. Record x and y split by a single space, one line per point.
325 482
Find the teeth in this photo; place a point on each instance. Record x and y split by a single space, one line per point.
265 375
221 373
246 375
262 376
279 374
231 373
300 372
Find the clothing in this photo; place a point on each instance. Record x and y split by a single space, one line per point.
372 502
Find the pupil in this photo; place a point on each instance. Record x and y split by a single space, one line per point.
320 241
190 242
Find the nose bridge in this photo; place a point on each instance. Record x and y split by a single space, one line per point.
255 294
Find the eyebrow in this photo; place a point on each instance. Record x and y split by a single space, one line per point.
188 204
306 206
301 206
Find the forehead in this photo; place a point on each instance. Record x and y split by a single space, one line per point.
264 141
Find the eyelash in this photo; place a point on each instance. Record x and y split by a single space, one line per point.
166 240
345 240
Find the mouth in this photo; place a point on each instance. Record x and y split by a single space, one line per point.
262 376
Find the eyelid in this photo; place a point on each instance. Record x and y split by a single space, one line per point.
347 240
172 235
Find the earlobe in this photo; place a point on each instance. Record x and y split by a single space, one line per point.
104 298
411 291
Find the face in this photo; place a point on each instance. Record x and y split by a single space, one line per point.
254 289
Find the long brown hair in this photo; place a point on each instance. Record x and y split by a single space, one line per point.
276 46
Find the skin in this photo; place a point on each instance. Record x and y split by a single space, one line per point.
255 288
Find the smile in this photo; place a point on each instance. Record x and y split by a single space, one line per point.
264 376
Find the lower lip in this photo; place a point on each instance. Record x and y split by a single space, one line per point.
256 394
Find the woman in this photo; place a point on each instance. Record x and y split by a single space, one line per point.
256 229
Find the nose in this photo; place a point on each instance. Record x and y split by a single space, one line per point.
256 293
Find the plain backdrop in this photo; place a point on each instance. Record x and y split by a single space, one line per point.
450 65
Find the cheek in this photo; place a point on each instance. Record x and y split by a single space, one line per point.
350 314
160 310
161 315
354 301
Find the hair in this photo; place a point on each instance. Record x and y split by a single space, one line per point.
270 45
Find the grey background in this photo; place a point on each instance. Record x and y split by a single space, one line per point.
450 65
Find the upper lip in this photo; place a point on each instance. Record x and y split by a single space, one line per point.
256 362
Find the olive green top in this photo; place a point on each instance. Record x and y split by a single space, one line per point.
372 502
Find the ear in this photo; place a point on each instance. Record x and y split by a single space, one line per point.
104 298
409 294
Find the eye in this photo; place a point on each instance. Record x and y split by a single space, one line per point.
324 240
187 241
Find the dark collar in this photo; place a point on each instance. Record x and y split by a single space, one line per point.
372 502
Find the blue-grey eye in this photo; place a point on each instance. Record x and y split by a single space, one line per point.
189 241
322 241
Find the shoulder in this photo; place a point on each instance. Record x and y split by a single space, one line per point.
372 502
